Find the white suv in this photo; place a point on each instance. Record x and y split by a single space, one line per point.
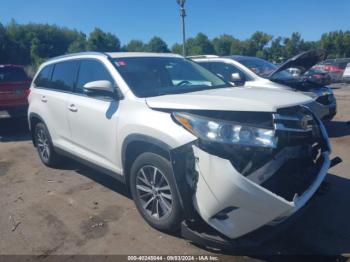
190 147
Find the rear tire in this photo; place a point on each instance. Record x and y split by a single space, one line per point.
154 192
45 147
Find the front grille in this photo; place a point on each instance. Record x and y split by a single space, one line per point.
296 128
295 119
289 133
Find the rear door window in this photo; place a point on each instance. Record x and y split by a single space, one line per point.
44 77
64 75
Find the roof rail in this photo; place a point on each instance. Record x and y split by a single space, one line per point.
78 54
202 56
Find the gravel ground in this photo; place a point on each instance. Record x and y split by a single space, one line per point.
76 210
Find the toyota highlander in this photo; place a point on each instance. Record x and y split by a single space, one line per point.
191 148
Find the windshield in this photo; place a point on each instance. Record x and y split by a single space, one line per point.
263 68
12 74
154 76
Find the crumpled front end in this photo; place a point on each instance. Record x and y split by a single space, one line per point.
239 193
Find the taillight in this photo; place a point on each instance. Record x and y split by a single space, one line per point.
335 69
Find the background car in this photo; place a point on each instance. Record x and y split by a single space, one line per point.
257 72
318 76
335 68
14 90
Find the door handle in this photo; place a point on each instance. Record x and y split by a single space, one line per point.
43 99
72 108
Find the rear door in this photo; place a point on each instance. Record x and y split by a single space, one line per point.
93 120
53 92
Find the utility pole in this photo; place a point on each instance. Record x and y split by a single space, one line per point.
181 3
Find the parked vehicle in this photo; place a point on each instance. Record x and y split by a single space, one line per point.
14 90
335 68
318 76
346 74
256 72
190 147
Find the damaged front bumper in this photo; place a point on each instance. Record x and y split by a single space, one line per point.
213 191
250 205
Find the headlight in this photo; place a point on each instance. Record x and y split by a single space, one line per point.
226 132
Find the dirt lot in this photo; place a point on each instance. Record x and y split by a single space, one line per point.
76 210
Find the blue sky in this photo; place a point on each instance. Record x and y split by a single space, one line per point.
141 19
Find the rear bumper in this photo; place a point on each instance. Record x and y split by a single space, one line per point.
13 112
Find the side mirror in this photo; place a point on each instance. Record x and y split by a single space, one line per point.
238 79
101 88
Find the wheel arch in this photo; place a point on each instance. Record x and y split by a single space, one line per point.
34 119
181 159
136 144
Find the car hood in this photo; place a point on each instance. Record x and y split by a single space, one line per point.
230 99
303 61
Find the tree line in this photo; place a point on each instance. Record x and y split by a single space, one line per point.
31 44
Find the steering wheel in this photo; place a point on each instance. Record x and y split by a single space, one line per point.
183 82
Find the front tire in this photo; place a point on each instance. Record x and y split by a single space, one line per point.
44 146
154 192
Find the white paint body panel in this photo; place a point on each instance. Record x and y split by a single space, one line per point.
231 99
52 106
93 130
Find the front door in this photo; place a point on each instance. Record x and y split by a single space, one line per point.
93 120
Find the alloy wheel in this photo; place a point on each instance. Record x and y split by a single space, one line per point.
153 191
43 145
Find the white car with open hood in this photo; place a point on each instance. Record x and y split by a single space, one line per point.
256 72
191 148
